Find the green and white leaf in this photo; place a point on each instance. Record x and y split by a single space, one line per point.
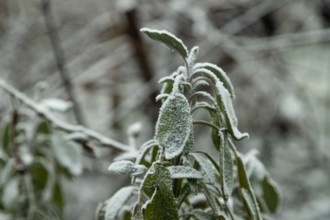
174 125
168 39
206 166
127 167
117 201
227 169
184 172
157 184
222 76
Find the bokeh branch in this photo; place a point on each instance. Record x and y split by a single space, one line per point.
59 124
59 57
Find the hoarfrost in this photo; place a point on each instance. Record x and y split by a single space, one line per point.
181 172
174 125
127 167
117 201
56 104
206 166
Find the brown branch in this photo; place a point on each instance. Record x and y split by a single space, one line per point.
59 57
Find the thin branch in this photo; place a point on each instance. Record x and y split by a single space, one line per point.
57 123
59 57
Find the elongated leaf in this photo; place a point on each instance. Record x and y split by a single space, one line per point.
144 149
158 186
181 172
227 169
174 125
127 167
250 201
168 39
224 102
117 201
206 166
67 153
271 194
222 76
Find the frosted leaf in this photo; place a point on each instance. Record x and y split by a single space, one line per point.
117 201
67 153
168 39
56 104
157 185
193 56
204 105
206 166
200 82
174 125
184 172
144 149
127 167
190 143
227 168
166 79
225 103
249 204
161 96
246 189
222 76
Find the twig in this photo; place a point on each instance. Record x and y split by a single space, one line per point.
59 57
57 123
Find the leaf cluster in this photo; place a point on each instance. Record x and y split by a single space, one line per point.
169 180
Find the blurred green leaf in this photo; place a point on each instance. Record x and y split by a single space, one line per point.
67 153
271 194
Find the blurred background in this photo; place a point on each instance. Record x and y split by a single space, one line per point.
277 54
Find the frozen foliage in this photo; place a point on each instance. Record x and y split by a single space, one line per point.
127 167
174 125
117 201
174 173
206 167
168 39
181 172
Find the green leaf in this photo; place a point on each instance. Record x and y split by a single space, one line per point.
67 153
184 172
168 39
206 166
202 215
271 194
127 167
174 125
158 186
250 202
117 201
227 169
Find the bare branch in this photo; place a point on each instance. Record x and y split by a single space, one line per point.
59 124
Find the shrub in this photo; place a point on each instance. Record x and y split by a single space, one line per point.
169 179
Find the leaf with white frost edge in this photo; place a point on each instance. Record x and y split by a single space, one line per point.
157 184
168 39
222 76
224 102
127 167
206 166
117 201
184 172
174 125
